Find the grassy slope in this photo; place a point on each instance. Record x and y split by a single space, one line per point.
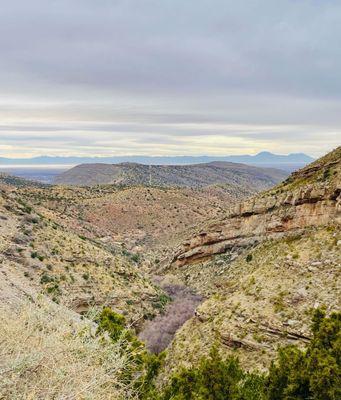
46 352
278 288
325 169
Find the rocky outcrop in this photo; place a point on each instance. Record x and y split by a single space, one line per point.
270 215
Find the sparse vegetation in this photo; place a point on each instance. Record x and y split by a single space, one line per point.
86 276
45 278
249 258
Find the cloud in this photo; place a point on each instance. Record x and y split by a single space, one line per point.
183 77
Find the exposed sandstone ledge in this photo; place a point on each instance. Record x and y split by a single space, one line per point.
264 217
231 340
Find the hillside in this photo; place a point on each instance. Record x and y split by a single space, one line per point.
138 217
244 270
309 197
39 255
10 180
70 251
263 269
194 176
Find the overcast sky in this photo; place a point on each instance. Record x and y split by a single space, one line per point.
169 77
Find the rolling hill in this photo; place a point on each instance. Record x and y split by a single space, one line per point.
196 175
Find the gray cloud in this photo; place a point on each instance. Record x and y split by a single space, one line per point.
183 77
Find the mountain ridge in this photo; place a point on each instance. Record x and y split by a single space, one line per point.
194 175
262 157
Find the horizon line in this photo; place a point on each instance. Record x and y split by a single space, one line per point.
155 156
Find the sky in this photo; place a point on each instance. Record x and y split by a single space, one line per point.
169 77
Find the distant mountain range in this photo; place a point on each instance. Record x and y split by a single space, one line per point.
264 158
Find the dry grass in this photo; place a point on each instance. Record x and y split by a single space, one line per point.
47 353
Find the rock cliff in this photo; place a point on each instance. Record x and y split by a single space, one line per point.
309 197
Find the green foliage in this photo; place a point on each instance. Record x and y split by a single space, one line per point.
312 374
150 366
112 323
327 173
35 254
161 301
53 289
86 276
215 379
144 366
135 257
249 258
45 278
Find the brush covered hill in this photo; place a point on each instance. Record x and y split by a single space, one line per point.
88 246
38 255
11 180
49 277
264 269
194 176
138 217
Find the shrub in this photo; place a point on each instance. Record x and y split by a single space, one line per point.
144 365
161 301
215 379
314 373
159 332
45 278
53 289
311 374
86 276
112 323
249 258
35 254
135 257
